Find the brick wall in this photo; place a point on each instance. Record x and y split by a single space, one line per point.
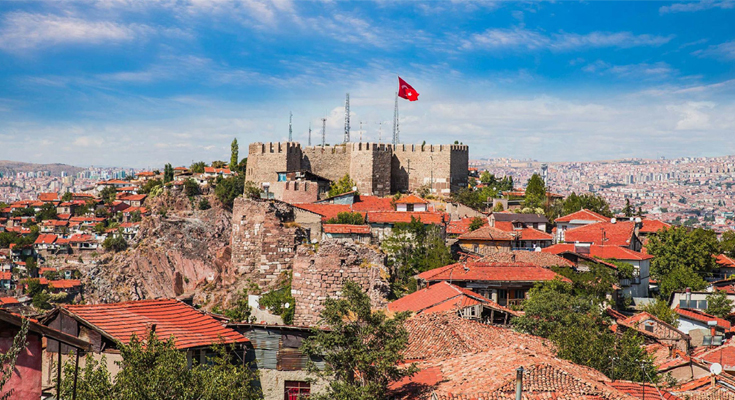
295 191
263 242
321 274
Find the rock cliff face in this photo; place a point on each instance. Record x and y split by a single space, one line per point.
184 252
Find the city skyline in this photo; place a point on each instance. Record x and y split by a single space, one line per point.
136 84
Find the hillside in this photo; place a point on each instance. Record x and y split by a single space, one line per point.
12 167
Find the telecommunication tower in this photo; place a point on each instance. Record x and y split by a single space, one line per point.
309 133
324 131
396 127
347 119
290 126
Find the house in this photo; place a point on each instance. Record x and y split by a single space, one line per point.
298 186
653 330
145 175
582 217
715 328
459 227
51 244
82 242
725 268
71 287
6 280
132 200
26 379
104 325
508 220
354 233
486 240
444 296
412 203
612 233
636 286
382 222
210 172
504 283
274 352
48 197
537 258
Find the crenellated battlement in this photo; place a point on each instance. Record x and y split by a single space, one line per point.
430 148
274 147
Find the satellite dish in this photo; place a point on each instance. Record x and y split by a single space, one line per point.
613 220
715 368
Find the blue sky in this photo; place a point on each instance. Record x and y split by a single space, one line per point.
139 83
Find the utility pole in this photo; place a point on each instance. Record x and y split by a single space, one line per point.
380 131
290 126
324 131
360 131
347 119
396 128
309 133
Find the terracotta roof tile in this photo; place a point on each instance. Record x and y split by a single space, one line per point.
190 327
490 272
411 199
652 226
440 297
602 233
394 217
346 229
607 251
537 258
488 233
583 215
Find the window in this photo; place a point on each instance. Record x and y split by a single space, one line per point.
409 207
296 390
281 177
502 294
520 294
295 186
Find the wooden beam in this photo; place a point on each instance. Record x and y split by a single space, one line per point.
46 331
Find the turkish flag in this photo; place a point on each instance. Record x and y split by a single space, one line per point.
406 91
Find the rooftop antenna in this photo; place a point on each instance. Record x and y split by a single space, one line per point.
309 133
396 128
360 131
347 119
324 131
380 131
290 129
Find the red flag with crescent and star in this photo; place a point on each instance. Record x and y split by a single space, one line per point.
406 91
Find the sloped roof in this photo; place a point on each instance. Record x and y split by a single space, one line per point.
533 234
190 327
327 211
48 196
372 203
490 272
653 226
642 391
583 215
602 233
606 251
411 199
488 233
702 317
45 239
725 261
441 296
537 258
394 217
460 226
506 216
346 228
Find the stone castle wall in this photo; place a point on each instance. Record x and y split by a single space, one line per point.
263 242
321 274
377 169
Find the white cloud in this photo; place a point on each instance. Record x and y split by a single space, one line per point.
693 115
21 31
88 141
722 51
689 6
659 70
524 39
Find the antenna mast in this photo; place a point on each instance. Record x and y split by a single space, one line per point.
347 119
324 131
290 126
360 133
380 131
396 128
309 133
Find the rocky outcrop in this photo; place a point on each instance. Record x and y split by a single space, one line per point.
320 274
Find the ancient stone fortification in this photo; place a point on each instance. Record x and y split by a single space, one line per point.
321 274
264 239
378 169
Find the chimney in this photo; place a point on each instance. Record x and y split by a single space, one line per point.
519 383
712 330
512 257
689 297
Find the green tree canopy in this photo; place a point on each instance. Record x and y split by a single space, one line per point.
350 218
343 185
234 150
682 257
727 242
168 173
476 223
66 196
228 189
47 211
628 210
718 304
198 167
661 310
535 192
108 194
362 349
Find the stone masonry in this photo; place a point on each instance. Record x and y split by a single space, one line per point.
321 274
263 241
377 169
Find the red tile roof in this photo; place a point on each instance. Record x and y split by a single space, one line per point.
533 234
327 211
653 226
488 233
642 391
725 261
45 239
583 215
346 229
8 300
607 251
490 272
65 283
211 170
725 355
461 226
617 234
411 199
537 258
190 327
80 237
6 275
48 196
702 317
441 296
394 217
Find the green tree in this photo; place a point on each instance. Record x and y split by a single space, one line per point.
279 301
343 185
31 266
66 196
661 310
628 210
108 194
149 185
234 149
252 191
535 192
115 243
47 211
153 369
589 201
349 218
487 178
718 304
228 189
9 358
204 204
361 351
727 243
240 312
413 248
219 164
579 329
191 188
135 216
198 167
682 258
242 167
476 223
168 173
